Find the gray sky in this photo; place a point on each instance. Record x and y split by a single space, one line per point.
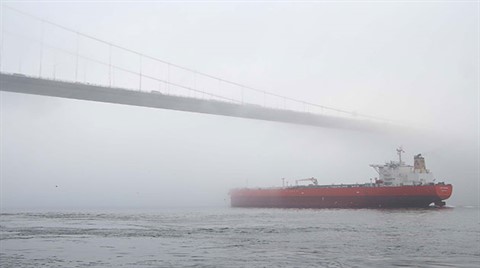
413 62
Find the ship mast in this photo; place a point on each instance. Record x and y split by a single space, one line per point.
399 152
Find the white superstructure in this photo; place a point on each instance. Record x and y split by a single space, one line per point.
397 173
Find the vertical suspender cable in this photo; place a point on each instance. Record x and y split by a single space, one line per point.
159 82
194 83
110 65
167 86
140 85
76 60
54 64
41 49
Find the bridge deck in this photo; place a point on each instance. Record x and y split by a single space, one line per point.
80 91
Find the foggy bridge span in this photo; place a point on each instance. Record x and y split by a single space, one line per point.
30 85
44 58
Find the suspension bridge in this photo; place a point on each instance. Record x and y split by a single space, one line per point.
45 58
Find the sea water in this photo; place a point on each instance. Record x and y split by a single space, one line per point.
238 237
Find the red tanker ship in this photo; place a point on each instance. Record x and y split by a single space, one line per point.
398 186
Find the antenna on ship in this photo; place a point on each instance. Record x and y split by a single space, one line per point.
399 152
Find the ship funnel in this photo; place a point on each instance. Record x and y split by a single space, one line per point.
419 164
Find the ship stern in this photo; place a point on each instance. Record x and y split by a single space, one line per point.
443 192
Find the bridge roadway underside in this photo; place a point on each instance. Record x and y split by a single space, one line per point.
80 91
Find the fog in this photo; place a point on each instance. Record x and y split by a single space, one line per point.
415 63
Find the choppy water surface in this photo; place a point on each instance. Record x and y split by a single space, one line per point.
227 237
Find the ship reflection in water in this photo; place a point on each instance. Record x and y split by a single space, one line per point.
399 185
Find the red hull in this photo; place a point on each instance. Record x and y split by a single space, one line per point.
342 197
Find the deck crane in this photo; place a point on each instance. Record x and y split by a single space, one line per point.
312 179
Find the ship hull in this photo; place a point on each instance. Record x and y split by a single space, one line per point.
342 197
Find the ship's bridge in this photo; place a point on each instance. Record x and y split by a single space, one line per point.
397 173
